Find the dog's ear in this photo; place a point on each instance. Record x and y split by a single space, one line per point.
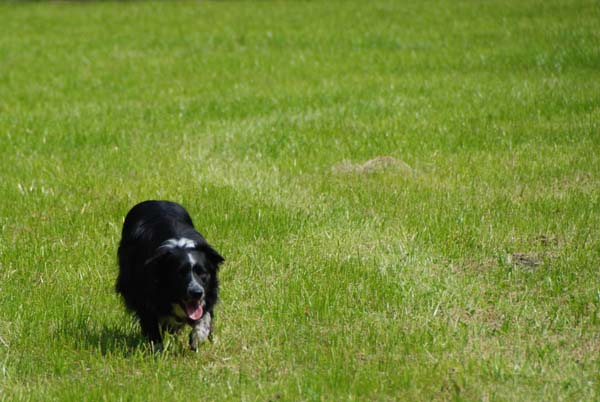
213 256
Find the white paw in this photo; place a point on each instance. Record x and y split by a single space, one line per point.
200 331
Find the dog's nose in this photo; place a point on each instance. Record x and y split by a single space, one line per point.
196 292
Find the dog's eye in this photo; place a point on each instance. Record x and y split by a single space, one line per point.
203 275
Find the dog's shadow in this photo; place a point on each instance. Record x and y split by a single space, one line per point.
84 332
120 339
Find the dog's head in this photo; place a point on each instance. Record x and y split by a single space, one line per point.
186 271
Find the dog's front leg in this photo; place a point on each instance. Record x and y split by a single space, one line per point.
151 330
200 331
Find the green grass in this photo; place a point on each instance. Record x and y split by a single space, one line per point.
467 268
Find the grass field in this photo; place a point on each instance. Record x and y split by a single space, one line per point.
407 194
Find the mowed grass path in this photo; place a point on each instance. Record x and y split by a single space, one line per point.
461 263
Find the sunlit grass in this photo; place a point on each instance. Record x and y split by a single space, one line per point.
406 193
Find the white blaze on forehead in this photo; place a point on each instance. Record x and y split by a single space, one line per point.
182 242
191 258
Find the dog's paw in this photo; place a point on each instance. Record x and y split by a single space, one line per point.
200 332
157 348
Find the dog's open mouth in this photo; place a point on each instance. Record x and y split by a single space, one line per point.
193 310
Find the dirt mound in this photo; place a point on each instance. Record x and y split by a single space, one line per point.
377 164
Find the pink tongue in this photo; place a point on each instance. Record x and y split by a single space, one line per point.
193 310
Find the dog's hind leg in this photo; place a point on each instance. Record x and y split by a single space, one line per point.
201 331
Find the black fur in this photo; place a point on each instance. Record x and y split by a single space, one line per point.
156 273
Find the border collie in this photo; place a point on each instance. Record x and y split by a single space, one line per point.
167 272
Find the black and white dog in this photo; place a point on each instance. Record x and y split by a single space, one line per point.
167 272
